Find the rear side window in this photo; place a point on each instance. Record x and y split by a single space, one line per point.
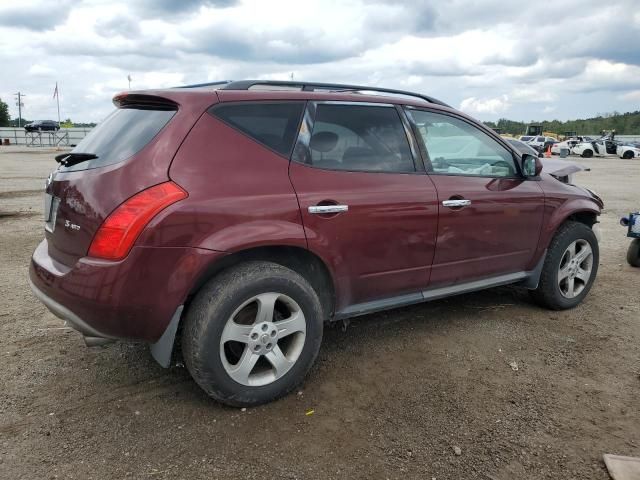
360 138
274 125
119 136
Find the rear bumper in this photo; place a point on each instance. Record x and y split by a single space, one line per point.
132 299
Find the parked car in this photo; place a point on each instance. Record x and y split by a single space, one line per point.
563 170
628 151
566 144
541 144
42 126
238 220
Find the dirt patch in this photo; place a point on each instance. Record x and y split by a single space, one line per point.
395 396
20 193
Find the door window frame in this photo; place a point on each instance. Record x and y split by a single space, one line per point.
490 133
302 150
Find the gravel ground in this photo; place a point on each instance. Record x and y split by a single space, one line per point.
430 391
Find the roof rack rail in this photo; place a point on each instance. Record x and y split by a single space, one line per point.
209 84
313 86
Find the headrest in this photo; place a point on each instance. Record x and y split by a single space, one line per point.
323 141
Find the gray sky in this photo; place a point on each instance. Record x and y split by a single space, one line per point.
519 60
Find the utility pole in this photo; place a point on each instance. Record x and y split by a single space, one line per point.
20 105
56 94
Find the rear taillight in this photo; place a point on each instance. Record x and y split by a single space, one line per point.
119 231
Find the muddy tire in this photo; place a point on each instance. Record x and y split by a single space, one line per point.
633 253
570 267
252 333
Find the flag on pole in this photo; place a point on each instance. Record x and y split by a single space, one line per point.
55 92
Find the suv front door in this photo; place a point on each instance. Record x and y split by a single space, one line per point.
367 210
490 217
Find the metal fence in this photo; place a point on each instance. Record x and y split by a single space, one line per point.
63 137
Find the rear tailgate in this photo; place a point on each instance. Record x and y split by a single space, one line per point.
134 147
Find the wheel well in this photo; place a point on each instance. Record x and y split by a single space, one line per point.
300 260
588 218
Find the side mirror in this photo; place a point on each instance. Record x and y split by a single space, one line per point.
531 166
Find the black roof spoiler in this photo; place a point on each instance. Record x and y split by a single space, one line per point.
311 87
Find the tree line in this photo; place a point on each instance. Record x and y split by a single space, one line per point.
623 123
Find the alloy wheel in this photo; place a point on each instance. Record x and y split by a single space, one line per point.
263 339
576 266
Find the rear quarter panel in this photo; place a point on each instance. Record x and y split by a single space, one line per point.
240 195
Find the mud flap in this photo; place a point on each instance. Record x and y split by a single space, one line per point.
163 348
533 277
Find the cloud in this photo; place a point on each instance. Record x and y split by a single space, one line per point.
36 16
124 26
491 58
489 105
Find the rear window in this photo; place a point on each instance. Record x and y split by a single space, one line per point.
119 136
525 139
274 125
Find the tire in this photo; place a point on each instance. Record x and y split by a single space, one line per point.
236 294
560 294
628 155
587 153
633 254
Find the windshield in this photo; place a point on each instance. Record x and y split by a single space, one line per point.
119 136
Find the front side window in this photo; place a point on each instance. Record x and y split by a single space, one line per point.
275 125
456 147
359 138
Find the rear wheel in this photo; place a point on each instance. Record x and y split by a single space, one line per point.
252 333
587 153
627 155
633 254
570 267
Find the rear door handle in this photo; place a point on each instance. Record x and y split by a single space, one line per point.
323 209
456 203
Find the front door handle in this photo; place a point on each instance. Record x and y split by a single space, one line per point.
456 203
324 209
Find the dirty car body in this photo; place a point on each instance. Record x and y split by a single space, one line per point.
355 202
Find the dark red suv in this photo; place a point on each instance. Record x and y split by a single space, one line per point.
240 217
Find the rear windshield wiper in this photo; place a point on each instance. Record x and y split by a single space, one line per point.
73 158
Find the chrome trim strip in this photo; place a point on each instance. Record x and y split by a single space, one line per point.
323 209
456 203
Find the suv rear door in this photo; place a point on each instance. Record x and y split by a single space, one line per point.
490 217
367 208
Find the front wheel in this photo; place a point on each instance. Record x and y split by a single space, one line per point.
587 154
633 254
252 333
570 267
628 155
